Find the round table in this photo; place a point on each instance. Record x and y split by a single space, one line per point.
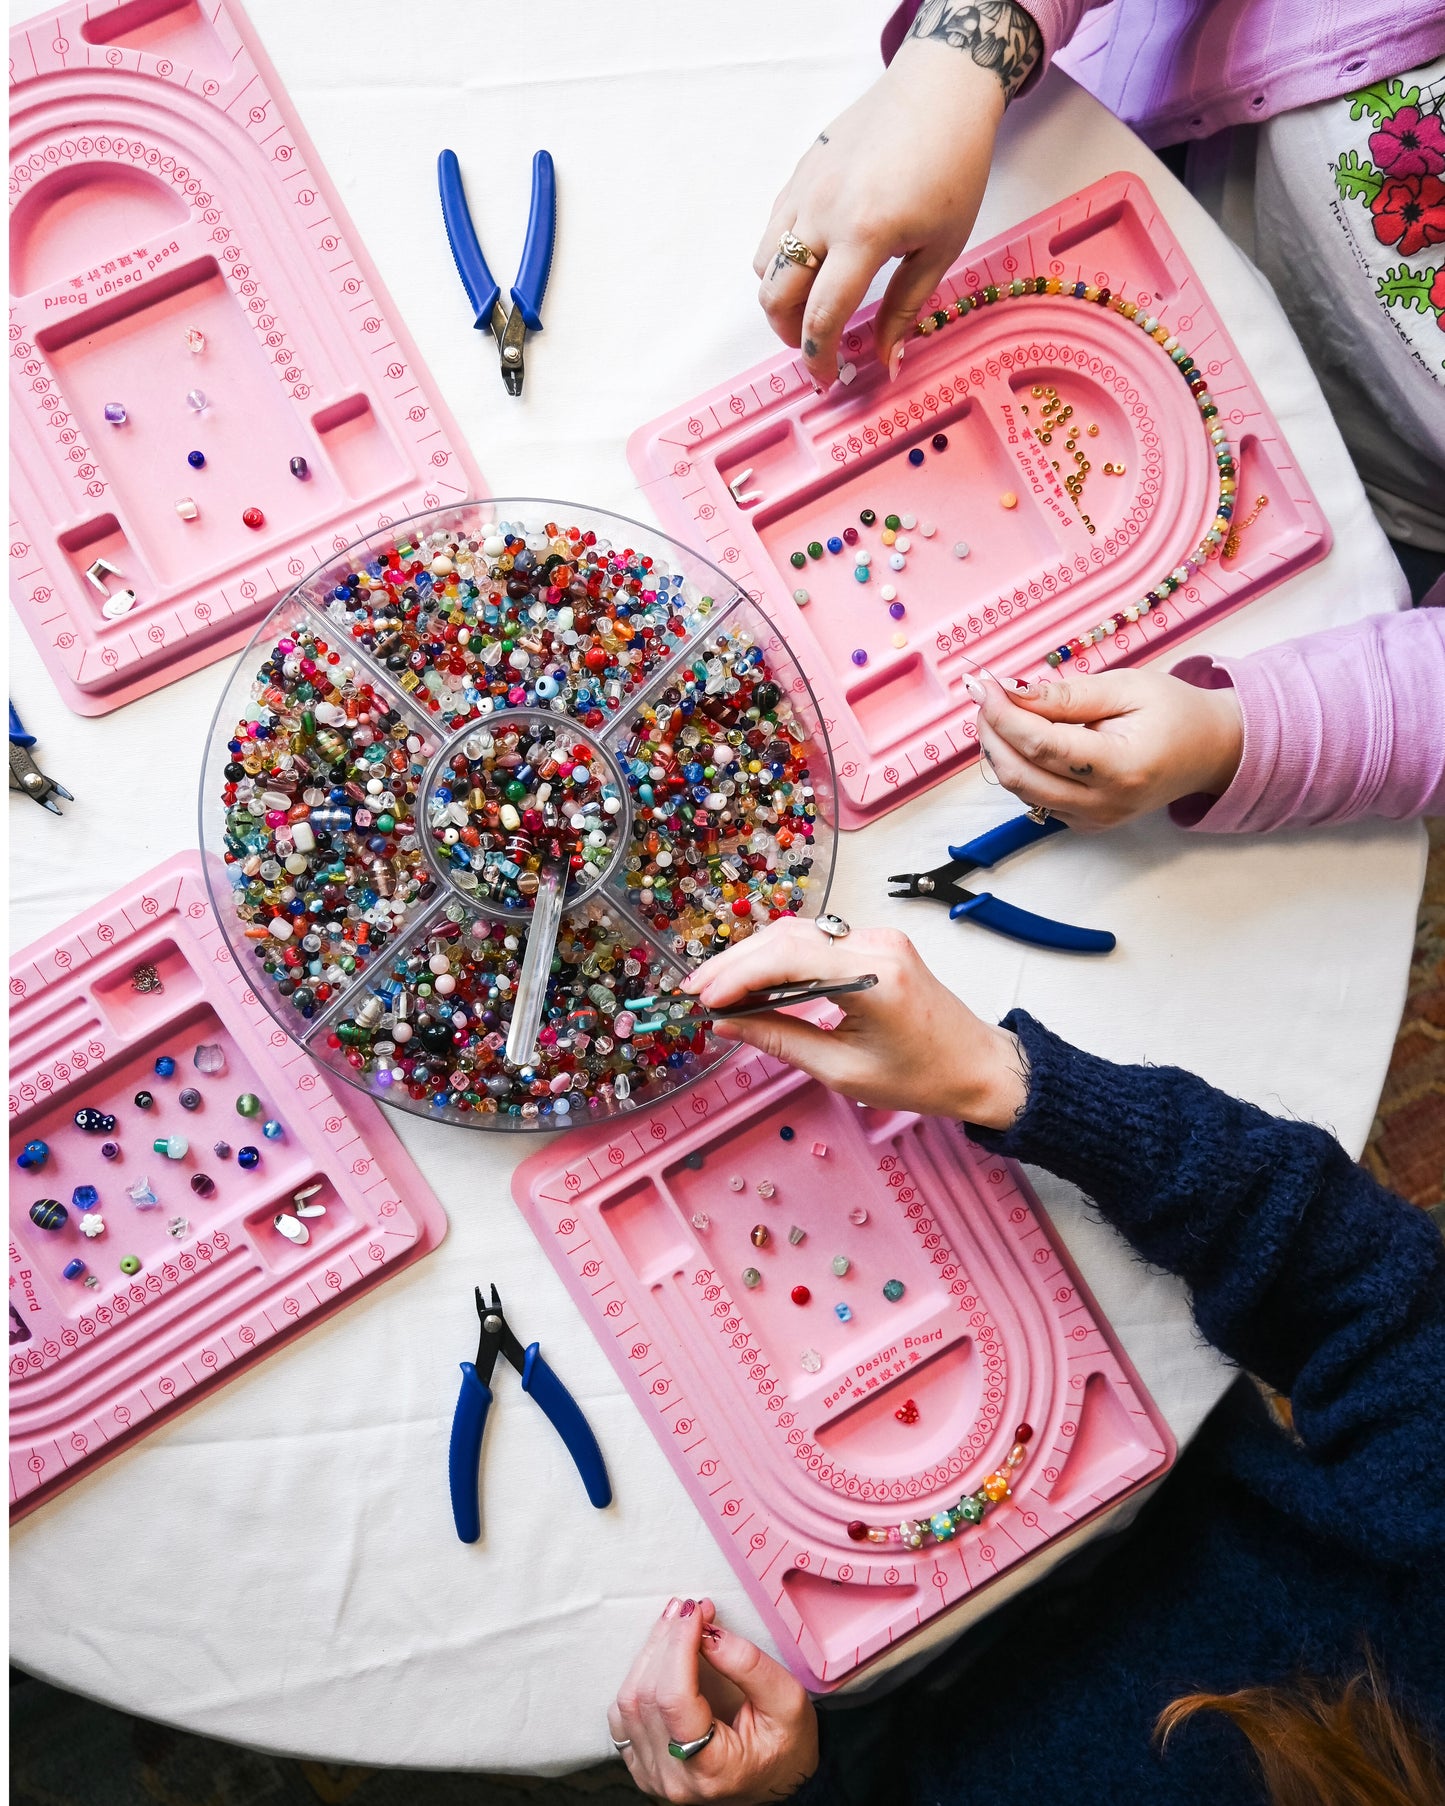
278 1565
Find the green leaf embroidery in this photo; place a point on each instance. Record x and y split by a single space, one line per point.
1383 100
1404 287
1357 179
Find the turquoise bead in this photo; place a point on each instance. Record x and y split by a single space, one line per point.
942 1526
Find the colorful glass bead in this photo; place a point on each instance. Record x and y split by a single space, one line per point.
196 401
110 1150
843 1312
272 1130
785 1133
49 1213
701 1220
248 1104
867 517
940 442
897 610
222 1150
961 548
141 1193
801 597
858 1215
752 1278
130 1265
907 1412
810 1360
766 1188
942 1526
835 544
995 1487
800 1295
178 1227
815 548
73 1269
84 1196
196 460
760 1236
210 1058
1023 1433
143 1100
841 1264
253 518
915 457
970 1510
94 1122
33 1156
300 469
860 657
858 1530
174 1147
893 1290
203 1185
165 1066
114 413
190 1098
248 1158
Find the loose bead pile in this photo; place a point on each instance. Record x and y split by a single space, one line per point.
1218 531
944 1525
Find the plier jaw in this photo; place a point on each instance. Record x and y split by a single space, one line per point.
496 1338
26 776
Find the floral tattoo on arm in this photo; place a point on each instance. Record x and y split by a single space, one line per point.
997 34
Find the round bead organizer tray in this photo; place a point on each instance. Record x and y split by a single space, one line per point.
972 449
128 1304
178 255
371 849
794 1400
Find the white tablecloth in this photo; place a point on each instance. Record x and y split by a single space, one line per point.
278 1566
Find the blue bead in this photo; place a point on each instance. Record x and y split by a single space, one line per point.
786 1134
196 460
165 1066
915 457
835 544
84 1196
33 1156
248 1158
861 572
843 1312
272 1130
48 1213
72 1269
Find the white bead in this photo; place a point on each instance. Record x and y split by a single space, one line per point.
862 556
494 547
927 529
439 963
908 522
887 593
903 543
510 817
280 927
445 985
960 550
897 562
187 509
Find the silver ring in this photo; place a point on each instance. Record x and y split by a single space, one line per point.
1039 814
624 1743
833 926
791 247
686 1751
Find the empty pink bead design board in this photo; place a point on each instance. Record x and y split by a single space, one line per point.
214 1283
786 1422
173 236
761 467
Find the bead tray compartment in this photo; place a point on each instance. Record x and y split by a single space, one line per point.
994 1328
706 611
1034 577
92 1369
160 181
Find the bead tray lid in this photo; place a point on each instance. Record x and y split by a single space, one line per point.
161 185
1033 577
784 1422
145 976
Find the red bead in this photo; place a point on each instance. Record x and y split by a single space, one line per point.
253 518
1023 1432
801 1294
858 1531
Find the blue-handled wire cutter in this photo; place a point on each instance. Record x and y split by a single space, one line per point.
475 1400
26 775
942 884
509 327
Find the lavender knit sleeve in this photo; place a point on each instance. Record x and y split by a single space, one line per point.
1340 724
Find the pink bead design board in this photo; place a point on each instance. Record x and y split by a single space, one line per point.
913 1402
1034 576
92 1368
161 185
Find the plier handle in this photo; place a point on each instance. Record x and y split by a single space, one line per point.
26 775
474 1401
508 328
942 884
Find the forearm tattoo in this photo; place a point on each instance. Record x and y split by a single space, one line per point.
997 34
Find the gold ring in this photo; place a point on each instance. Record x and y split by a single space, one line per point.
791 247
1039 813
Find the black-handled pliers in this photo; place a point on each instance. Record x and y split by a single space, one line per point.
475 1400
943 886
26 775
508 327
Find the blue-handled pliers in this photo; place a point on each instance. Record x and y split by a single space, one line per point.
508 328
26 775
942 884
475 1399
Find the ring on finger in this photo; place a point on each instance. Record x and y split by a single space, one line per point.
621 1743
685 1752
1040 813
833 926
792 248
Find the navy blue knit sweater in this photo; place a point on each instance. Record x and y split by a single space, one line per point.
1262 1557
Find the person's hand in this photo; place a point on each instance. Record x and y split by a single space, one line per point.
900 174
766 1752
908 1044
1097 751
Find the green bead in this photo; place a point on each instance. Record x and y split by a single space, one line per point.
815 548
129 1264
892 522
515 791
971 1511
893 1290
941 1524
797 560
385 823
248 1104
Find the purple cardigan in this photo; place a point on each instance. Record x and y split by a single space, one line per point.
1176 69
1339 724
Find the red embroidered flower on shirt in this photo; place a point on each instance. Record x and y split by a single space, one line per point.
1411 143
1437 297
1410 212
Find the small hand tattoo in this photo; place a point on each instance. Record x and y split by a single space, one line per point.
810 347
823 138
1082 771
780 263
997 34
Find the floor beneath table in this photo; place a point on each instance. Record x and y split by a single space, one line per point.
61 1745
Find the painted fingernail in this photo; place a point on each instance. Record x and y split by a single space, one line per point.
670 1609
974 688
689 1606
1021 686
711 1632
895 361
